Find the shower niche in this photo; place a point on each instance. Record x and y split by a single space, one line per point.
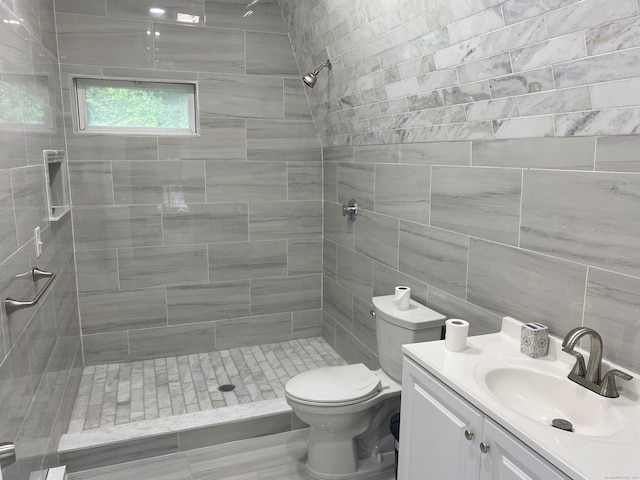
56 180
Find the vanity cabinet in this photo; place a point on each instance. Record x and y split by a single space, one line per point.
444 437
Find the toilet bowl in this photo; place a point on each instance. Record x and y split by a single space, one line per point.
348 407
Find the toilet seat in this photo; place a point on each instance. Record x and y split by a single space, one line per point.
334 386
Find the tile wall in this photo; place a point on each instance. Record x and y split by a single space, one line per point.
40 358
424 119
238 260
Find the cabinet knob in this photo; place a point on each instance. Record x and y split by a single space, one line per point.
484 447
468 434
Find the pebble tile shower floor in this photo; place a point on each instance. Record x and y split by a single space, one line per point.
121 393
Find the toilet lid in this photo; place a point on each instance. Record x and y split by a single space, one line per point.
338 385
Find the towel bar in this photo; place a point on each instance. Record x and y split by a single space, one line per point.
12 305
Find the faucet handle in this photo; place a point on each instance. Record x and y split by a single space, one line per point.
579 368
608 387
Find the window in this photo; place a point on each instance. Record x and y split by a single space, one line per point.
135 107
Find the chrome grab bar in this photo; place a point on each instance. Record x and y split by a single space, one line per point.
12 305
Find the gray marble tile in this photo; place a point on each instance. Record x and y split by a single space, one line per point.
622 93
246 181
220 139
483 202
437 153
524 127
484 69
97 270
173 340
88 147
279 220
518 10
304 256
304 180
91 40
29 201
521 83
140 10
481 322
8 236
275 295
91 183
588 13
385 279
618 154
403 191
182 47
459 53
434 256
266 16
282 141
356 180
613 36
270 54
307 324
472 92
247 260
515 36
615 121
113 227
170 183
255 330
526 285
600 68
492 109
476 25
203 223
559 219
113 311
355 272
554 153
557 101
156 266
553 51
376 236
105 347
611 306
241 96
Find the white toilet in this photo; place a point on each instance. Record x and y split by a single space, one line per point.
348 407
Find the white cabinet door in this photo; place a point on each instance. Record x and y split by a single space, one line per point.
508 459
433 444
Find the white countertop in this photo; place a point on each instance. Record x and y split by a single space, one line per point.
580 456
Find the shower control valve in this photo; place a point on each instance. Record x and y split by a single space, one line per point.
350 209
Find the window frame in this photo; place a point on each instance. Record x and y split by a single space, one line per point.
80 83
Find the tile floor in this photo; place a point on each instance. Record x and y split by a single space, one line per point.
117 394
273 457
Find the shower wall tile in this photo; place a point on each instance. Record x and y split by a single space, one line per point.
203 223
105 348
378 154
206 302
280 220
241 96
329 259
587 14
173 340
307 324
28 201
386 279
612 302
182 47
526 285
330 181
483 202
481 322
93 40
353 350
254 330
403 191
364 324
289 294
338 302
8 236
296 105
436 257
246 181
551 52
303 180
220 139
618 154
158 182
569 100
97 270
114 227
247 260
140 9
357 181
156 266
267 16
613 36
270 54
376 236
304 256
92 183
90 147
115 311
88 7
338 228
437 153
278 141
355 272
339 154
554 219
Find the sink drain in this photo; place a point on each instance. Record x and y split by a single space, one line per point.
562 424
226 388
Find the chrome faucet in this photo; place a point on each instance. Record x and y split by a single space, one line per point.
590 377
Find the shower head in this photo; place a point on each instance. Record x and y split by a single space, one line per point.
311 78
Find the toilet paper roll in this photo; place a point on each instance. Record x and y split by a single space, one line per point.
402 300
455 338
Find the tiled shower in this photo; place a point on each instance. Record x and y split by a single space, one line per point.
491 146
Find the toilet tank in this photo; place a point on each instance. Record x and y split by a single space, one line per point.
395 328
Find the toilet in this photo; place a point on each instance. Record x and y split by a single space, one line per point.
348 407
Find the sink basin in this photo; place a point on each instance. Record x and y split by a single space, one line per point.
543 397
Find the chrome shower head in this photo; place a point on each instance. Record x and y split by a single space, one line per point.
311 78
